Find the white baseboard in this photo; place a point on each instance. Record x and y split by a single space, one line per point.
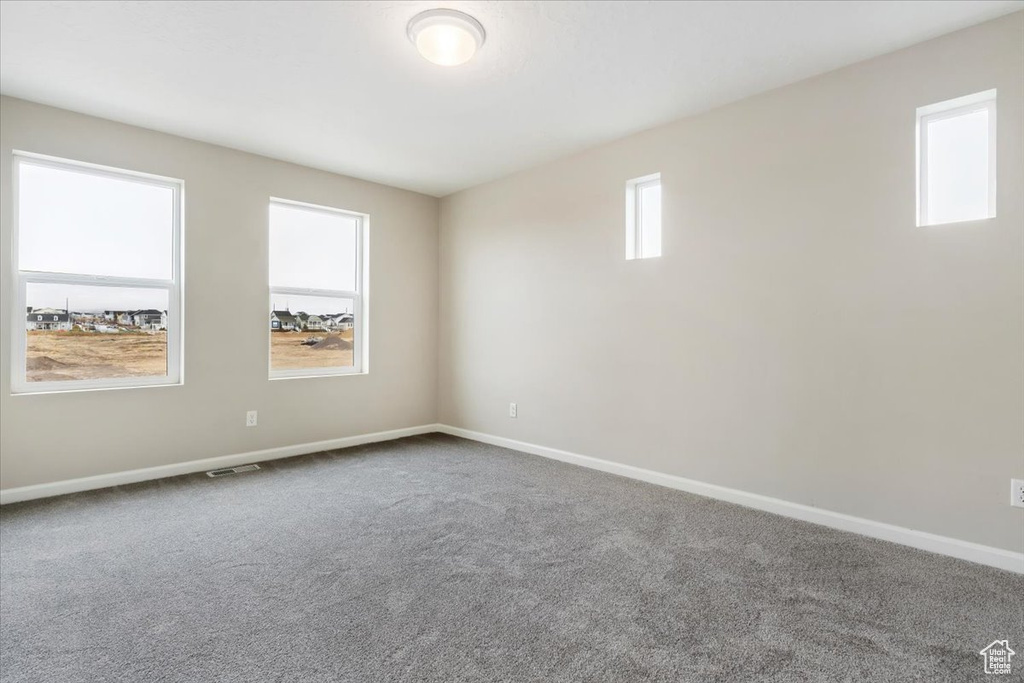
102 481
964 550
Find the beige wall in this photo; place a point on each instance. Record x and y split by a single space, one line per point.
47 438
801 337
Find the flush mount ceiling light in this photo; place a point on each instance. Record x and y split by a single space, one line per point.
446 36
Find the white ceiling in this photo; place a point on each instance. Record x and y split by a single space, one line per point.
338 86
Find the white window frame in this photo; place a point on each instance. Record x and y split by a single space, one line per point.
360 327
173 286
634 215
982 101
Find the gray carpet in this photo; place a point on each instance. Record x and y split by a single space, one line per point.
438 559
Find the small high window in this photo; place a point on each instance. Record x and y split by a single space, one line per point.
956 172
643 217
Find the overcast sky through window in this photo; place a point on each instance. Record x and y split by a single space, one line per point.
958 167
312 249
75 222
86 224
88 299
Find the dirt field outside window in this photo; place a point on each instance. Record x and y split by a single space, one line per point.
288 352
53 356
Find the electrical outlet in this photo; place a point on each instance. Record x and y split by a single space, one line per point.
512 410
1017 493
250 418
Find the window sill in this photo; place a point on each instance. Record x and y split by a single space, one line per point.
956 222
275 378
50 390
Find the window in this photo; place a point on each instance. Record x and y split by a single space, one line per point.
643 217
317 290
956 165
97 255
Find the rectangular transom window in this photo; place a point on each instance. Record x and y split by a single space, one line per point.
98 260
643 217
317 290
956 163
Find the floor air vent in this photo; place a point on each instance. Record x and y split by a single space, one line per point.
232 470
